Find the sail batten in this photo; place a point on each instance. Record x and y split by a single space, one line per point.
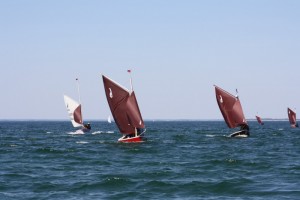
123 106
230 108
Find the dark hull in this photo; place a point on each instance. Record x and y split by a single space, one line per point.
240 134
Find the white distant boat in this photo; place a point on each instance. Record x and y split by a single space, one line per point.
75 114
109 119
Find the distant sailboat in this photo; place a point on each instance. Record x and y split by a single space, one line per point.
292 118
109 119
259 120
74 111
232 112
125 111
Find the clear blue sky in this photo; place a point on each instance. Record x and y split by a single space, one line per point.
176 49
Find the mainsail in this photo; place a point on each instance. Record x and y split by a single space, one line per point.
292 117
74 110
123 106
259 120
231 108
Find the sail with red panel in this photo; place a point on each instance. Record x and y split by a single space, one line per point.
231 109
125 110
258 118
74 111
292 118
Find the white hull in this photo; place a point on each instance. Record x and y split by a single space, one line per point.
240 134
136 138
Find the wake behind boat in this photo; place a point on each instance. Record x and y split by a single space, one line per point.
232 112
75 114
125 111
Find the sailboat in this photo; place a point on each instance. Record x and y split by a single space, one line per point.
74 111
259 120
231 109
125 111
292 118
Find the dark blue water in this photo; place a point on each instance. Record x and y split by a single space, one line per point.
180 160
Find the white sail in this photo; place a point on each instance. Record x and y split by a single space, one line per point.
74 111
108 119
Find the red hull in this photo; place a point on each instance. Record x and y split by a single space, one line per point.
132 139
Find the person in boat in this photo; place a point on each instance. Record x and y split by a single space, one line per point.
87 126
244 127
138 132
244 130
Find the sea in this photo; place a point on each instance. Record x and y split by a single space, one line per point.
179 160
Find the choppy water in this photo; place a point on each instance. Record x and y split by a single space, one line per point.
180 160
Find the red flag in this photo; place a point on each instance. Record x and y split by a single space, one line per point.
129 70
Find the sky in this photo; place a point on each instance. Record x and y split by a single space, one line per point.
177 50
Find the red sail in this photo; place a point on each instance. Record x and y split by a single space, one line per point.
259 119
123 106
77 115
292 117
230 107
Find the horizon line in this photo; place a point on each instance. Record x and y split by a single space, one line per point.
252 119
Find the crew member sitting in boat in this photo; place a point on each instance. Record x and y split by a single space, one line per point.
87 126
138 131
245 127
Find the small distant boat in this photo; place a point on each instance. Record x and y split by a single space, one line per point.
109 119
75 114
232 112
259 120
125 111
292 118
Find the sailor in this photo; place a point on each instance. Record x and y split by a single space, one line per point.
87 126
244 127
139 131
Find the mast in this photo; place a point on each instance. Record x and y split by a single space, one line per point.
131 87
77 81
79 97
